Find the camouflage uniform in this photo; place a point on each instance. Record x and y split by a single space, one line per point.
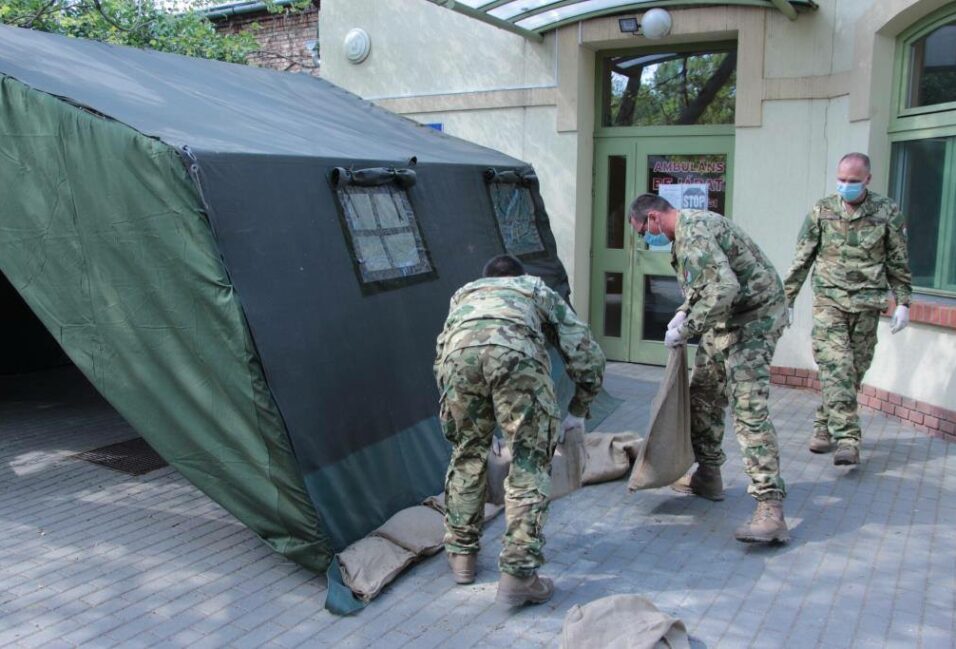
855 258
734 300
492 366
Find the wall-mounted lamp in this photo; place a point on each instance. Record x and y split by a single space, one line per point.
654 24
312 47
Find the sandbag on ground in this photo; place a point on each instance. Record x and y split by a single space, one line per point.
622 622
371 563
419 530
609 456
666 453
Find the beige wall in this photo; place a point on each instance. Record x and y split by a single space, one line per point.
808 91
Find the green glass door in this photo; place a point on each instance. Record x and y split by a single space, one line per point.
634 292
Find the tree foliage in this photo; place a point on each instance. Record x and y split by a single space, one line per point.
137 23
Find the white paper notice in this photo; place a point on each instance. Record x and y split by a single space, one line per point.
685 197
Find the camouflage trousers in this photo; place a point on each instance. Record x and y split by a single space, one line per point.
843 344
740 369
484 386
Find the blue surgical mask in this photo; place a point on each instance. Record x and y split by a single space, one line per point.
850 192
658 240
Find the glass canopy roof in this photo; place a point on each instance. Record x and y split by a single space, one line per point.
532 18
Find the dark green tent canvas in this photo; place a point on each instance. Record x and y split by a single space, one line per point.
252 267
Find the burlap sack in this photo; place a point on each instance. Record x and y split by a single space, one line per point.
666 453
499 462
622 622
419 530
567 464
609 456
371 563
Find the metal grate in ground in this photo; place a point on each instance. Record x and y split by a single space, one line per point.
133 456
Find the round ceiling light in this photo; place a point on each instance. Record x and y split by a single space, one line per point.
358 44
656 23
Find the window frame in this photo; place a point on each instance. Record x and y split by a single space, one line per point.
378 284
602 86
904 70
921 123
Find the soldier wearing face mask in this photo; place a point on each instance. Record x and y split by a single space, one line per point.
733 299
855 240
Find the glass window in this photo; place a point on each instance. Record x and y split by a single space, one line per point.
690 181
613 303
920 186
616 201
933 68
670 88
515 214
385 238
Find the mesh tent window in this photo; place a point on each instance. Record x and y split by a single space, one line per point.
515 211
380 224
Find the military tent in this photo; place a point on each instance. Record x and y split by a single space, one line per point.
252 268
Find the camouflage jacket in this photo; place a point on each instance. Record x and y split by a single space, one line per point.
855 257
729 284
513 312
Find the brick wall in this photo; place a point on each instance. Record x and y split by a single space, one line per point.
283 37
937 421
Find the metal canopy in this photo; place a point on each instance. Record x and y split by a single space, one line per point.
533 18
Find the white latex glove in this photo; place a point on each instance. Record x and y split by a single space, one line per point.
674 338
901 318
570 423
678 320
789 315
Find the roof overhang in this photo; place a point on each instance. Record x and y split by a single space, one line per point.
533 18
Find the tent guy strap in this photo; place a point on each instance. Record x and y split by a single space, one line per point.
532 18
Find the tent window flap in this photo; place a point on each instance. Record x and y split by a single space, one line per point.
383 233
515 211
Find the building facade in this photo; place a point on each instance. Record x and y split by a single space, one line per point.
745 107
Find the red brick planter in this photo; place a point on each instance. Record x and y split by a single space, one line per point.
937 421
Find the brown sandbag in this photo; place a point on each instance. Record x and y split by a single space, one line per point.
666 453
499 462
567 464
609 456
369 564
622 622
419 530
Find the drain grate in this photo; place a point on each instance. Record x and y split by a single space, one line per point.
133 456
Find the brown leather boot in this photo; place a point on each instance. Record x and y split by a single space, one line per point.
846 455
821 442
518 591
766 525
462 567
704 482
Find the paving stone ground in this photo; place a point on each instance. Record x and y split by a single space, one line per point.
94 558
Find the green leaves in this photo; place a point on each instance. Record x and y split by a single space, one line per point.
136 23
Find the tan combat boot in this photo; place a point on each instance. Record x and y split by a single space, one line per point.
846 455
518 591
462 567
821 442
704 482
766 525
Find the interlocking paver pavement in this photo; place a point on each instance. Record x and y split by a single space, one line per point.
90 557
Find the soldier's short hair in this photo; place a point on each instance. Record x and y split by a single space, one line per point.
862 158
503 266
644 203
